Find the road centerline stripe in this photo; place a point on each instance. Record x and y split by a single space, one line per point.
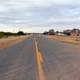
39 60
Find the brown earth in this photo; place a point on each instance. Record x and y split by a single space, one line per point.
6 42
66 39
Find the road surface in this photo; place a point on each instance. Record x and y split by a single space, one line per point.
39 58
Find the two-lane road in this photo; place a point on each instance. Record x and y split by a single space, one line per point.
39 58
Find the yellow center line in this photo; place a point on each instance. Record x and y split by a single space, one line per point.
39 59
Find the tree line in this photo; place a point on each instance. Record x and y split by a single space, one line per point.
7 34
68 32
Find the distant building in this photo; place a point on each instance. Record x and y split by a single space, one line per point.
67 32
59 33
73 32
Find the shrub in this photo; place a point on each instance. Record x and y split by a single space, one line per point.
1 34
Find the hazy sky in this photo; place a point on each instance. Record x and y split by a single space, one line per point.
39 15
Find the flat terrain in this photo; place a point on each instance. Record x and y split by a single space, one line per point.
66 39
40 58
8 41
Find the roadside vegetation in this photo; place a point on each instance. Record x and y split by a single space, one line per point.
8 34
68 36
8 38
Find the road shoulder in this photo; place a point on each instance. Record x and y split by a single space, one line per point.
6 42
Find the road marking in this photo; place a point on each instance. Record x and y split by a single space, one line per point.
39 60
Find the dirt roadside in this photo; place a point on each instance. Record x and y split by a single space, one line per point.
66 39
6 42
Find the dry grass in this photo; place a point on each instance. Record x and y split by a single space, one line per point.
66 39
6 42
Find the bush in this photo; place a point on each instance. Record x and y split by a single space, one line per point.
51 32
20 33
45 33
1 34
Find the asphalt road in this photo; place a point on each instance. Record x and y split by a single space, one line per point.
39 58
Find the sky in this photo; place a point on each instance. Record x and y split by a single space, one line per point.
39 15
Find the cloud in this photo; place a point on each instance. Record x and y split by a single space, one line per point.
39 11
